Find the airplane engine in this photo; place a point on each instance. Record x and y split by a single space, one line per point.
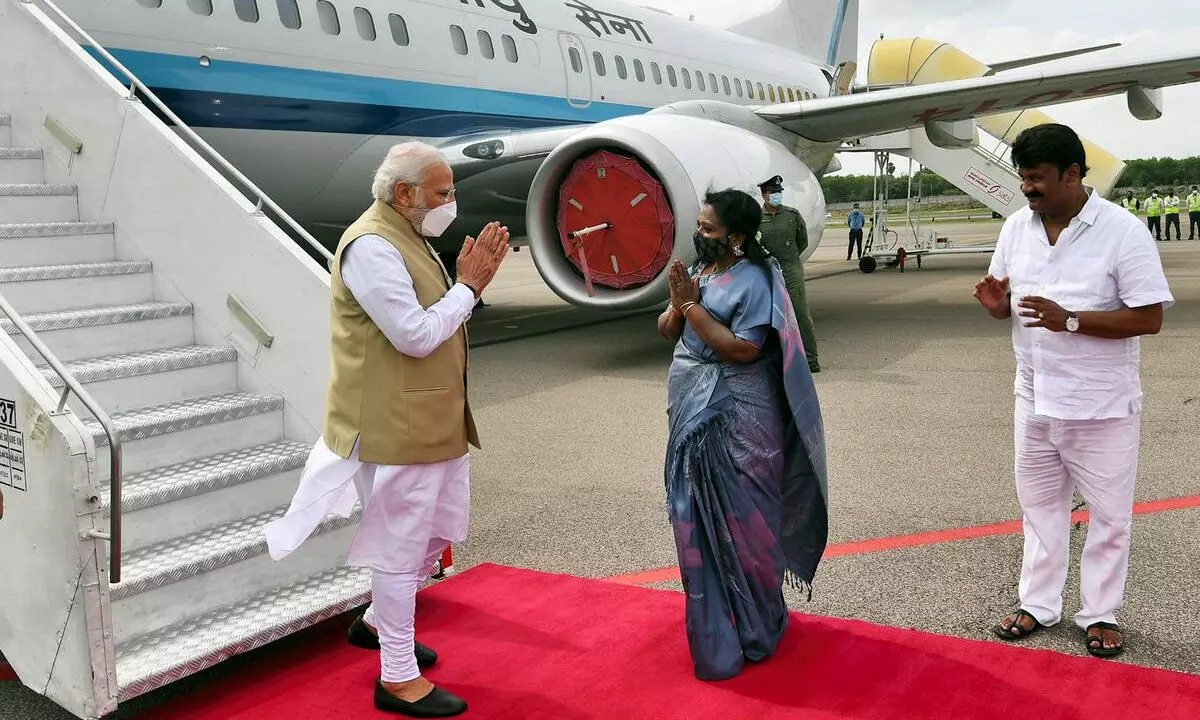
610 208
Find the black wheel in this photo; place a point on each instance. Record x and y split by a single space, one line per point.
867 264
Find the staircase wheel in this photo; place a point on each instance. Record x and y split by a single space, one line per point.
867 264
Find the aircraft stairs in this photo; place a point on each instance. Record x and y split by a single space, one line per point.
102 264
979 165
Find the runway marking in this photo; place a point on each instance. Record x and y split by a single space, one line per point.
933 537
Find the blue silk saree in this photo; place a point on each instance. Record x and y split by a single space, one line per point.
745 472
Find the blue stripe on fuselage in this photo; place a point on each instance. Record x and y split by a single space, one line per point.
266 97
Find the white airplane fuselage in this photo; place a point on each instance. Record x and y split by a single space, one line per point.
308 112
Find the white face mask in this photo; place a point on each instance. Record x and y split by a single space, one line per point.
438 219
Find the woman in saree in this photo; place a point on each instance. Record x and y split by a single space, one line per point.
745 464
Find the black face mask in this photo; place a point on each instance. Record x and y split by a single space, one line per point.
710 249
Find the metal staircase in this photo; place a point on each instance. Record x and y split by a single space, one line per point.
206 464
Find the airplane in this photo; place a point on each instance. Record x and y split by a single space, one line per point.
591 128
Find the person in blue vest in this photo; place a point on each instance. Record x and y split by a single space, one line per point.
855 220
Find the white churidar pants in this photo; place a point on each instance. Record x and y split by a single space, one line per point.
410 514
1053 457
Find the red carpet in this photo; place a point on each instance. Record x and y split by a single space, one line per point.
533 646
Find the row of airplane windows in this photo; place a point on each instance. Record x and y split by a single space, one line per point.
327 15
289 17
673 79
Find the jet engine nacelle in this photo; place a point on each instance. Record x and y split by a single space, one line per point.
650 207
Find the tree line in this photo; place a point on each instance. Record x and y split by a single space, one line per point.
1141 175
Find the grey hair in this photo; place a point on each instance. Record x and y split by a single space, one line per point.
406 162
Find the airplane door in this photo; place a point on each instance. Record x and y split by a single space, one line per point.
579 74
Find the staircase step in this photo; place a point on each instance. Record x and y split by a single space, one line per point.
177 651
33 202
49 288
21 166
65 242
164 583
92 332
190 497
151 377
163 435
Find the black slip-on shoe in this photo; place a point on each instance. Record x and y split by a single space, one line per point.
438 703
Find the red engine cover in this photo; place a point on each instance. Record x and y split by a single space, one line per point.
605 187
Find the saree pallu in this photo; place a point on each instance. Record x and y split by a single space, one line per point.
745 474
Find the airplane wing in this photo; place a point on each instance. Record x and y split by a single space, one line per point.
876 112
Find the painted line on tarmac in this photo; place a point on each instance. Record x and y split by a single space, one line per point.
935 537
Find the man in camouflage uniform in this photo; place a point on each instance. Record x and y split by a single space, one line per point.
785 236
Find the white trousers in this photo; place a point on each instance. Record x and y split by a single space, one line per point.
410 514
1053 458
392 614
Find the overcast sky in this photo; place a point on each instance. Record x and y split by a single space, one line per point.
996 30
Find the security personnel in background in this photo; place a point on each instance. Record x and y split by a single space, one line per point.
1154 209
1171 205
1130 203
1193 204
785 236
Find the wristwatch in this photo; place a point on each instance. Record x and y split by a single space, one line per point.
1072 322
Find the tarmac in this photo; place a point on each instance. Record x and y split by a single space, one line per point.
916 394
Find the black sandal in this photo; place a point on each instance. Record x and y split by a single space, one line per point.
1007 633
1095 643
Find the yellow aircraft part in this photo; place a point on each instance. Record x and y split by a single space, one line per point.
918 61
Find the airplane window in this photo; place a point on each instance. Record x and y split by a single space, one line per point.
687 78
510 47
150 3
638 71
459 39
400 30
365 23
289 14
725 85
200 7
598 61
737 85
485 44
671 76
328 16
791 95
761 95
656 72
621 71
700 80
247 10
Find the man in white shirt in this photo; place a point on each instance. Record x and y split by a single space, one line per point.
1081 280
398 423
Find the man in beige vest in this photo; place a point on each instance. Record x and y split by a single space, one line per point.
398 423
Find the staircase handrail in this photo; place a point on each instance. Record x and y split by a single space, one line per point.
200 145
72 385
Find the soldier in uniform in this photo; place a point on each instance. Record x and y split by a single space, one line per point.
785 236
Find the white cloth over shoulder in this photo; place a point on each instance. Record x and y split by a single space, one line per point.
1104 260
404 506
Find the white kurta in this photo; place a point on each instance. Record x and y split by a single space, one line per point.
1078 399
404 506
